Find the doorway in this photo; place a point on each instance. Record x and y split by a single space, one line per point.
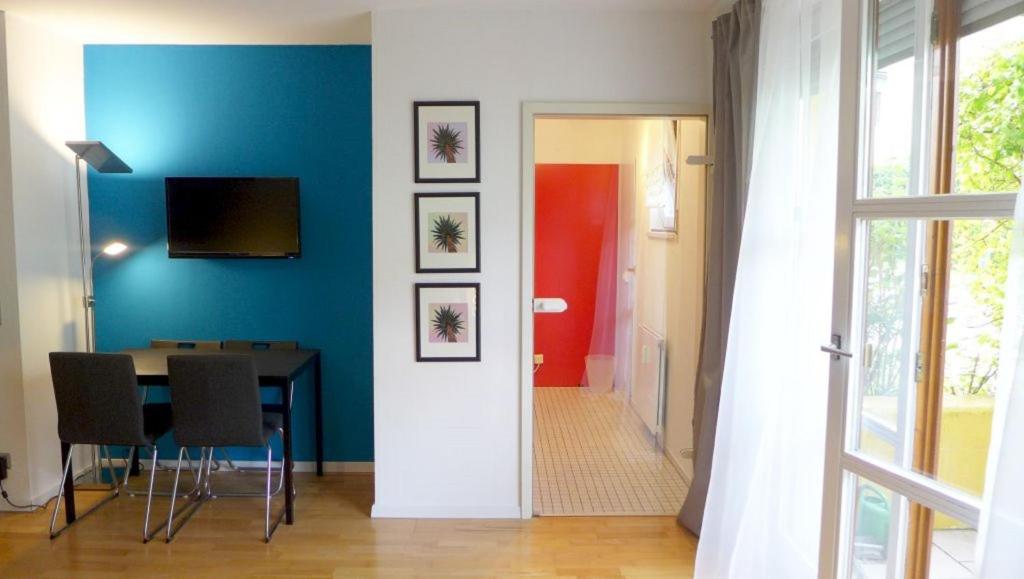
613 279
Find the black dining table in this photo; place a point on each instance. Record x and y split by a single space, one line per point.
275 368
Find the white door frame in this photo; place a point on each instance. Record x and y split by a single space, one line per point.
531 111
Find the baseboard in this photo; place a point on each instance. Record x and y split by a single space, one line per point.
679 468
50 492
380 511
333 466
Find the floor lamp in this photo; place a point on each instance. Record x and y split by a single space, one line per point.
103 160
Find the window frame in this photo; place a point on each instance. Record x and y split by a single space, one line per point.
855 210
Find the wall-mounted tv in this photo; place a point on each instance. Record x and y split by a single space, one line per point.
233 217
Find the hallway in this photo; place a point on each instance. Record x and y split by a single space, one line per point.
593 456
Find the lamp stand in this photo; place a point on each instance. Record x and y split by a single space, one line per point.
88 300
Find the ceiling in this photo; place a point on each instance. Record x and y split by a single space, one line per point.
264 21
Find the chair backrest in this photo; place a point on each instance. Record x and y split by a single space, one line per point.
260 345
98 399
215 400
186 344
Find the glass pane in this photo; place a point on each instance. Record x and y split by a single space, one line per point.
990 127
974 316
889 370
877 532
890 314
952 555
896 99
879 544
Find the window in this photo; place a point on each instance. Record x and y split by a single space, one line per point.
941 161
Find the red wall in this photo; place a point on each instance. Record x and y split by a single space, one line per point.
576 216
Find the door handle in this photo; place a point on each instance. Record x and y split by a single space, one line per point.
836 348
836 352
549 305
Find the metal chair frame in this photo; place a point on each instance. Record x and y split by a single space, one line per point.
174 523
115 490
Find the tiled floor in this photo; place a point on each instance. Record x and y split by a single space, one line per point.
592 456
952 557
953 549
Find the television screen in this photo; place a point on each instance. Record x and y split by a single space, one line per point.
232 217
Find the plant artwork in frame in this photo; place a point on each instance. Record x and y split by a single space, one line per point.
447 141
447 322
447 232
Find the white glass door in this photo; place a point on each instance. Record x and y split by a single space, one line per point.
930 163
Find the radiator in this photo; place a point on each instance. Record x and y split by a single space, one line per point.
647 396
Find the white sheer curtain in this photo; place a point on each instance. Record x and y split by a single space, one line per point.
763 510
1001 539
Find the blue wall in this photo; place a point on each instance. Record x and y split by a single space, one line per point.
300 111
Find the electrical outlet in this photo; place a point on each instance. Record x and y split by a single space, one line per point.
538 359
5 463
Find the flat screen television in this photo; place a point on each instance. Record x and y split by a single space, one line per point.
233 217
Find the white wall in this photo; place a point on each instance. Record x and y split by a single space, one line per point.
670 276
45 97
447 435
13 437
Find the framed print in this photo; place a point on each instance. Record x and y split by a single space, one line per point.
662 183
446 135
447 232
447 322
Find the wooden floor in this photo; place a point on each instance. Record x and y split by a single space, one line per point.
334 537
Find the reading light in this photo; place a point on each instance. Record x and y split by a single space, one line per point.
103 160
114 248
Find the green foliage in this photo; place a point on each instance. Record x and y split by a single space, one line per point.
886 298
447 234
990 139
980 256
447 323
989 159
446 143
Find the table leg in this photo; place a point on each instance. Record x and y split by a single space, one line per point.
319 417
289 483
135 468
69 484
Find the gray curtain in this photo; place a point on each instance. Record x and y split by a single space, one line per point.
735 37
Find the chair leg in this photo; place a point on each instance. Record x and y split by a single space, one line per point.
128 466
146 536
202 486
272 526
60 492
174 491
110 469
227 459
270 469
209 464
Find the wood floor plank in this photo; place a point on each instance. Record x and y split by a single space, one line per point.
334 537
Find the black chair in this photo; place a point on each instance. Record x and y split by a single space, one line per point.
249 346
179 345
216 403
98 403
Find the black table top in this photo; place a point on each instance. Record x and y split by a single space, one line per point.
272 366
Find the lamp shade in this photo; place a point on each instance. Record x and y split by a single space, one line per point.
115 248
99 156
